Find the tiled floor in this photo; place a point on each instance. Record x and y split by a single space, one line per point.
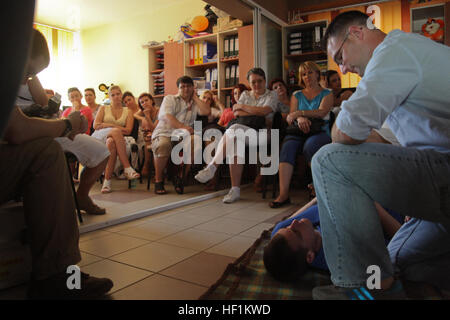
177 254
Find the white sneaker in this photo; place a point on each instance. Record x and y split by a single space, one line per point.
233 195
206 174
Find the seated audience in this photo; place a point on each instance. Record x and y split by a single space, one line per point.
111 124
334 83
227 114
39 173
259 102
177 112
216 106
75 98
313 102
89 97
148 117
88 151
129 101
284 100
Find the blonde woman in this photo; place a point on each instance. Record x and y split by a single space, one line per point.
311 102
111 124
216 107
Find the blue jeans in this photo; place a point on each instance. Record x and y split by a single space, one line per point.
420 252
309 146
348 179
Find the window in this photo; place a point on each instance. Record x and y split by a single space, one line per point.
64 70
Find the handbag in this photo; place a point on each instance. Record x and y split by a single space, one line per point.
315 128
254 122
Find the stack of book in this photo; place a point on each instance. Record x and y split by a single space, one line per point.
305 40
202 52
160 59
231 75
231 47
158 83
211 79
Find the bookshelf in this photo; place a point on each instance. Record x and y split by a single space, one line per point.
178 62
156 72
301 42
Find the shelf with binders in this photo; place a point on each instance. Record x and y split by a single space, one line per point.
156 74
201 52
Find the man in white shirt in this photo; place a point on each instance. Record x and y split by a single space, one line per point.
177 113
405 82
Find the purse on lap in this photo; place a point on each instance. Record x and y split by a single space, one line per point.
254 122
315 128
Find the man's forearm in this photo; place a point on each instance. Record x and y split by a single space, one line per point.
21 128
339 137
174 123
257 111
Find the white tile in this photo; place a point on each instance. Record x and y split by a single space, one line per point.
87 259
227 225
196 239
110 245
233 247
152 230
154 256
122 275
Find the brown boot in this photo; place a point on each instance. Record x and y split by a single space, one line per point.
90 207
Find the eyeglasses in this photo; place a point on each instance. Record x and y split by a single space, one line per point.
338 55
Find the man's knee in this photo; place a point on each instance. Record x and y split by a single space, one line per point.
162 147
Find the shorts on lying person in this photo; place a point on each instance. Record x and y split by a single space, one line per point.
89 151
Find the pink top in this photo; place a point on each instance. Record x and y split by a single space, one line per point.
85 111
227 116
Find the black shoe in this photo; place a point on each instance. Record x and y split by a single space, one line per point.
56 288
276 204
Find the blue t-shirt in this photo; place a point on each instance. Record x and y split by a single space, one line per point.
314 104
312 214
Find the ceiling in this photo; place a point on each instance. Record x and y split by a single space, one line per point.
84 14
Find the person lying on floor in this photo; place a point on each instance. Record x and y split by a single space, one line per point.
415 248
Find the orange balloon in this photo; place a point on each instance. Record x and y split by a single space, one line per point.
199 23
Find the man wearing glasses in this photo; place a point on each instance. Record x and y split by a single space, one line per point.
405 83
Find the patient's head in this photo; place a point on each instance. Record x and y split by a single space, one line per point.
291 250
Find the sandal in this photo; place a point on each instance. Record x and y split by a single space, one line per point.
159 188
90 207
178 183
106 188
131 175
276 204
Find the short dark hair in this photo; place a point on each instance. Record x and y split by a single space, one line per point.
273 81
329 74
127 94
257 71
145 94
39 46
185 80
73 89
340 24
283 263
90 89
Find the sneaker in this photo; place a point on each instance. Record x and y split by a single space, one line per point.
395 292
55 288
233 195
206 174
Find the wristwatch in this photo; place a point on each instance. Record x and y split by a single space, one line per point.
68 129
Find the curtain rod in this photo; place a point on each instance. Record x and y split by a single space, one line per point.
46 25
